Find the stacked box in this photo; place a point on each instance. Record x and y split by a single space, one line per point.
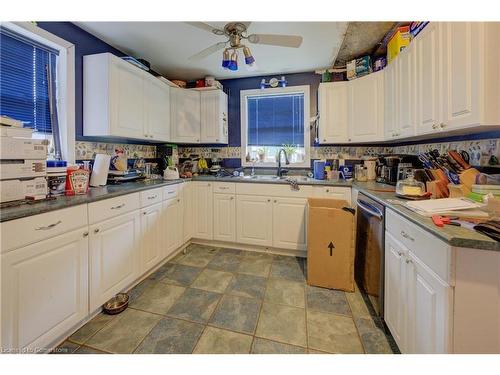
23 166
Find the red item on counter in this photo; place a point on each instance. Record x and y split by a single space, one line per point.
77 181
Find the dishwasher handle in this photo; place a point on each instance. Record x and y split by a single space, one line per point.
372 210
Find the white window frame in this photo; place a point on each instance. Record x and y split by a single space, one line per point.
65 81
244 94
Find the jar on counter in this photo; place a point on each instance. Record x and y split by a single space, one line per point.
56 177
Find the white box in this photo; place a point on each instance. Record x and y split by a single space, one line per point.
13 190
23 148
14 131
13 169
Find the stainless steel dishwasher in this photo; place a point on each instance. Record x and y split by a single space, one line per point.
370 251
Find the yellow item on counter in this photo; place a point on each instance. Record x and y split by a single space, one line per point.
412 190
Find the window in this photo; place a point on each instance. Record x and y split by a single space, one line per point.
273 119
37 83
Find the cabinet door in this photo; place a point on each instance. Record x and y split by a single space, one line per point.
224 217
157 104
185 115
406 92
203 210
427 46
429 306
462 54
333 122
172 225
395 290
390 100
114 256
187 198
151 237
254 220
366 108
127 100
44 290
213 116
290 223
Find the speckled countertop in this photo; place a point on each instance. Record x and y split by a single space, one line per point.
454 236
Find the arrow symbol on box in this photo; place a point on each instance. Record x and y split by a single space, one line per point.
331 247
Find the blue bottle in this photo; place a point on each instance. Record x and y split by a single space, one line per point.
319 169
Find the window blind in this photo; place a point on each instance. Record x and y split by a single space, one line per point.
276 120
24 85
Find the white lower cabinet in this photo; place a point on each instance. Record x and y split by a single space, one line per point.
254 220
429 301
114 256
151 237
44 291
172 225
202 210
290 223
224 217
417 302
187 214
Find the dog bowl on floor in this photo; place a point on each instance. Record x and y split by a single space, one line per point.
116 304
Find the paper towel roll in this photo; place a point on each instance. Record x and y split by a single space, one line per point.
100 170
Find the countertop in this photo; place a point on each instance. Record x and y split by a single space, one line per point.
454 236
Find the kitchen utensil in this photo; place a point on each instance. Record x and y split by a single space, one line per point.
116 304
171 173
441 221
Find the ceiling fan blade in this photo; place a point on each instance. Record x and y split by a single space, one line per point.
208 51
206 27
293 41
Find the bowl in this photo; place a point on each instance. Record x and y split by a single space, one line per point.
116 304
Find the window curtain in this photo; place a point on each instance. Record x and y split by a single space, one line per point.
27 73
275 120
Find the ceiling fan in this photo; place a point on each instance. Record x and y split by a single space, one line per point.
235 33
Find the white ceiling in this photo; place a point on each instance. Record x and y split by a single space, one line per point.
168 45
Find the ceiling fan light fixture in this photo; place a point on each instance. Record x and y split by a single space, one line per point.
233 63
225 59
249 59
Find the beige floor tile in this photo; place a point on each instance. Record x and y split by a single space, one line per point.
285 292
125 332
159 298
220 341
332 333
213 281
281 323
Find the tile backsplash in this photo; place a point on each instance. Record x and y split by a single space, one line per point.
480 151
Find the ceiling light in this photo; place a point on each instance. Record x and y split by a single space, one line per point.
225 59
233 63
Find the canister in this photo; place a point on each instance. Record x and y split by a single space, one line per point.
319 169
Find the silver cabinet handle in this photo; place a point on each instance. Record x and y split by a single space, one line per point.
407 236
118 207
145 213
269 200
408 261
96 230
153 196
170 192
85 234
208 185
178 200
400 253
434 126
275 201
49 226
217 140
223 187
327 190
231 198
442 125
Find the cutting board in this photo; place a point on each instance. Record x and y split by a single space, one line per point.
434 206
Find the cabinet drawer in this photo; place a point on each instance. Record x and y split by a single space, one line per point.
224 187
274 190
28 230
150 197
170 191
433 252
112 207
334 192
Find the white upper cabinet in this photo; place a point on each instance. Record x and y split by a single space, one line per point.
366 108
390 100
214 128
185 115
471 77
406 93
123 101
157 109
333 124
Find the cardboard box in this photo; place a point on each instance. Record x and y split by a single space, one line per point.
399 40
330 244
14 169
13 190
23 148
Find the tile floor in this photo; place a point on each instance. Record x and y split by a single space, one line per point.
214 300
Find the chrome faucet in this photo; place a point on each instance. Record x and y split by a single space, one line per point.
281 172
